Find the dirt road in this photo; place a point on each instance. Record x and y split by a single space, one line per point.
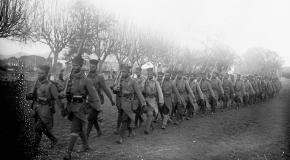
253 132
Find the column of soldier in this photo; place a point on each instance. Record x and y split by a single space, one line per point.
173 95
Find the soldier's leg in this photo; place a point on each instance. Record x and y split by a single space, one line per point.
47 130
97 125
225 100
166 114
84 139
213 104
75 130
38 132
98 128
123 127
149 120
91 119
179 112
119 121
137 116
203 106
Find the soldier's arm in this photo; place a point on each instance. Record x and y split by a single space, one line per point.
189 90
211 90
232 87
159 92
175 91
199 91
220 86
93 97
105 88
55 96
138 93
251 87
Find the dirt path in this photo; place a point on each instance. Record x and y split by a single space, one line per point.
252 132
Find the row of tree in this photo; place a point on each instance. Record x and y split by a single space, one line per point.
65 27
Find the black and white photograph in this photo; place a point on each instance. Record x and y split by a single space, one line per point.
145 79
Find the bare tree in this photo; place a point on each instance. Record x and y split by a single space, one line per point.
98 29
52 27
260 61
13 16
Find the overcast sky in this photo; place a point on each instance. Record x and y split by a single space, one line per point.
240 24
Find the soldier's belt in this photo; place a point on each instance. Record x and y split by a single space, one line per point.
128 95
42 100
167 94
77 99
151 96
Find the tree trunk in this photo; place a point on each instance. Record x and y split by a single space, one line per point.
100 66
53 69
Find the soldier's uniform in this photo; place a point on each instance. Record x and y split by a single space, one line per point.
263 89
208 93
128 89
100 85
255 88
187 97
194 85
239 91
154 98
159 80
216 84
44 95
79 90
169 90
228 87
140 82
249 91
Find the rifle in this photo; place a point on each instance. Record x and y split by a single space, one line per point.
31 95
69 77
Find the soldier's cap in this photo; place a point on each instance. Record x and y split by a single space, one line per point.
139 69
45 68
124 67
215 72
160 73
78 60
150 70
94 62
180 71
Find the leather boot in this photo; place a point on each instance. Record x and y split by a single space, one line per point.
166 117
73 139
122 132
89 128
96 124
148 123
85 146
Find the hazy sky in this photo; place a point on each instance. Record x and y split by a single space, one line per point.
241 24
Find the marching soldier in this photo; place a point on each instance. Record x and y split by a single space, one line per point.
228 91
194 85
249 91
154 98
263 88
187 98
159 80
207 90
255 88
239 91
140 82
127 89
79 89
169 90
100 85
44 94
216 84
